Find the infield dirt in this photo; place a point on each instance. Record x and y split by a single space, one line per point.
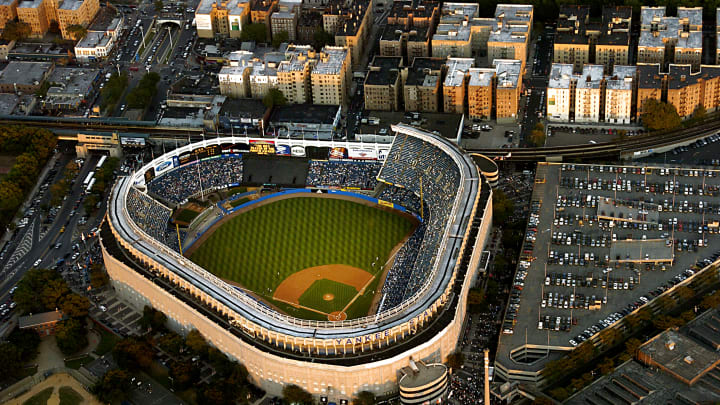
295 285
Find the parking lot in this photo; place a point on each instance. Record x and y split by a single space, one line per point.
601 242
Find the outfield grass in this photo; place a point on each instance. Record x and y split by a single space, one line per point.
313 296
69 396
263 246
239 201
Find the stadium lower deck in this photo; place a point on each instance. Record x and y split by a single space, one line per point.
421 295
603 241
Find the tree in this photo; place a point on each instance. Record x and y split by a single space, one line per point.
322 38
133 353
364 398
71 335
475 300
632 345
11 361
274 97
184 373
559 393
26 341
455 360
53 293
254 32
537 137
503 207
280 38
711 301
113 387
196 343
699 112
10 195
16 31
607 366
171 343
76 31
75 305
98 277
30 293
152 319
293 394
659 116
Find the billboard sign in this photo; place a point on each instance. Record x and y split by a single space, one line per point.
228 148
149 175
132 141
162 167
298 150
283 150
207 151
338 153
362 153
382 154
262 147
186 157
203 22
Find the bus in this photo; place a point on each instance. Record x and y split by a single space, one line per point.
101 162
88 179
90 186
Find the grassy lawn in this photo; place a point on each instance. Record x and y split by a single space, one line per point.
236 190
107 341
187 215
40 398
239 201
313 296
79 362
262 247
69 396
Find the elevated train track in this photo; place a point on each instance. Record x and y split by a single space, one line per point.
622 149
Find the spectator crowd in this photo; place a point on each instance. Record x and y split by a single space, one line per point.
347 174
187 181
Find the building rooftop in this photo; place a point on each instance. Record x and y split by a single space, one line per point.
622 78
453 13
425 71
243 108
30 4
72 81
70 4
507 72
107 19
680 76
8 103
305 113
614 38
421 374
680 355
560 76
457 68
43 318
25 72
296 56
649 76
452 32
94 39
384 70
481 77
592 76
261 5
331 60
445 124
657 29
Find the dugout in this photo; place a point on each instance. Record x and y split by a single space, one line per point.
279 170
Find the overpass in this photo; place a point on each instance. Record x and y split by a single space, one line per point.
170 18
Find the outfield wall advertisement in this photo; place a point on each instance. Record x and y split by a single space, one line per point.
282 150
163 167
362 153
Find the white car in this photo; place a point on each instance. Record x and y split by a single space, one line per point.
37 262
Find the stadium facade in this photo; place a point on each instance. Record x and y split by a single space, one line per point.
329 359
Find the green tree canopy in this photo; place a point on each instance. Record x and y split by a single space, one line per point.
280 38
658 116
39 288
293 394
196 343
503 207
133 353
254 32
321 38
537 137
274 97
152 319
12 361
171 343
71 335
75 305
76 31
114 386
184 373
364 398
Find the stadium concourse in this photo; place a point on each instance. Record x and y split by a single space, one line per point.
422 308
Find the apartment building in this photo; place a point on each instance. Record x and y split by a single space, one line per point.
650 84
76 12
667 40
382 86
260 12
452 41
309 21
455 84
354 28
224 18
8 11
285 19
408 29
684 89
329 77
510 38
588 94
580 42
620 94
37 14
560 92
508 88
422 85
24 77
294 73
480 93
717 36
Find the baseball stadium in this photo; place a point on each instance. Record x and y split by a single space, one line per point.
334 266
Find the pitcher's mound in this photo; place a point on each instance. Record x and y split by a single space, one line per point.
328 297
337 316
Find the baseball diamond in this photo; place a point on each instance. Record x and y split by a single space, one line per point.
293 250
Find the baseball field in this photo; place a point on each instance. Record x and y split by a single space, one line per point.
311 257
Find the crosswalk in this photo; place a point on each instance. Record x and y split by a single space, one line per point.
23 247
